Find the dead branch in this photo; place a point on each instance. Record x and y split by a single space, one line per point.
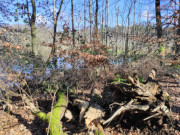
127 107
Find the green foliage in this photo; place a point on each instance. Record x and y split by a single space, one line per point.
161 49
108 51
168 97
72 91
50 87
141 79
90 51
119 80
135 57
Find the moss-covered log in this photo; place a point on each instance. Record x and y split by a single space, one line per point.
53 117
56 115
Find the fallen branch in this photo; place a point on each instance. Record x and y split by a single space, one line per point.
127 107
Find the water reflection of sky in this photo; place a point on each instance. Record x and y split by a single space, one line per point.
61 64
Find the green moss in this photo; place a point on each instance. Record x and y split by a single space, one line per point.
57 113
42 115
97 132
119 80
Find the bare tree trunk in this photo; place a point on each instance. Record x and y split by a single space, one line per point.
102 26
85 19
56 16
90 15
127 42
117 14
133 44
107 15
178 33
158 19
96 18
79 23
32 22
72 15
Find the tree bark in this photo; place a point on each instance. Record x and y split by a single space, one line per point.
72 15
85 19
79 22
33 28
55 24
96 18
126 43
90 16
102 25
178 33
107 15
158 19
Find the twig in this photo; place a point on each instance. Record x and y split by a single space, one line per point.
152 116
118 112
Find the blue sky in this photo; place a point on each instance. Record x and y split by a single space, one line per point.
144 8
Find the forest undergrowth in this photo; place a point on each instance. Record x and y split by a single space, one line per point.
91 81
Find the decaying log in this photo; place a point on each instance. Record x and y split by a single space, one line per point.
155 98
82 105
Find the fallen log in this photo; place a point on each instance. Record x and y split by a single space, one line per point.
54 117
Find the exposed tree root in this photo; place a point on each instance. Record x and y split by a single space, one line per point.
152 100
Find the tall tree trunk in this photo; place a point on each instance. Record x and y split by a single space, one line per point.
96 18
33 28
102 25
79 22
177 50
56 16
107 15
85 20
134 17
127 42
72 15
90 16
117 14
158 19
